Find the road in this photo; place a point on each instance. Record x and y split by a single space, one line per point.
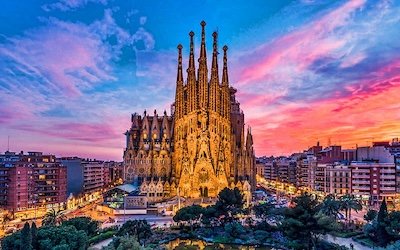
346 242
101 244
88 209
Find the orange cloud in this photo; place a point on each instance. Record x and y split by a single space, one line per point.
370 112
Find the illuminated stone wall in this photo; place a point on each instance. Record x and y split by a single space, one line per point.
202 147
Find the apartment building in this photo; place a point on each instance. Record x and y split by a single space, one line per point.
116 171
95 175
270 171
75 174
286 170
339 179
373 181
321 178
397 164
31 180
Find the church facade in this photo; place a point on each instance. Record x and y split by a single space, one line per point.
202 147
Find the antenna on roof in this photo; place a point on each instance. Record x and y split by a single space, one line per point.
8 144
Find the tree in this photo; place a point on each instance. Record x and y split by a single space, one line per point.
26 237
53 218
47 238
12 241
230 202
264 210
393 225
61 237
330 206
34 235
385 227
370 215
189 214
138 228
234 229
382 236
303 224
83 223
394 246
126 242
349 202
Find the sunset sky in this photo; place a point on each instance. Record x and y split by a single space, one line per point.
72 71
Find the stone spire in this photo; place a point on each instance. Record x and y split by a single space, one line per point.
179 105
191 78
225 80
214 82
214 67
179 77
226 103
191 55
203 55
202 73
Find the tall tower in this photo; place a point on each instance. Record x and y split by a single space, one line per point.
191 78
202 73
201 148
204 159
214 82
179 102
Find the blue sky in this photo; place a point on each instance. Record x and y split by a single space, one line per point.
72 71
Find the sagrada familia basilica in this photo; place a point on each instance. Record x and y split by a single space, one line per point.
202 147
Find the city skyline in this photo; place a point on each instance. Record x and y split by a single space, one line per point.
72 71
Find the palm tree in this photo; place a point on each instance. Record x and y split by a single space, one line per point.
349 202
53 218
330 206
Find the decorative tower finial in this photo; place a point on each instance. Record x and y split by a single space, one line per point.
191 56
225 85
191 78
215 54
202 72
225 80
179 77
214 99
203 41
179 104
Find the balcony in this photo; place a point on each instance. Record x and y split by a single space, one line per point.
364 188
361 192
388 171
365 182
47 190
360 170
55 195
388 178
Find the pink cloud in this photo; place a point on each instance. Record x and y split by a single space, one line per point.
66 56
299 48
76 131
65 5
363 115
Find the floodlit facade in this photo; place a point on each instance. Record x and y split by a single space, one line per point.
203 146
